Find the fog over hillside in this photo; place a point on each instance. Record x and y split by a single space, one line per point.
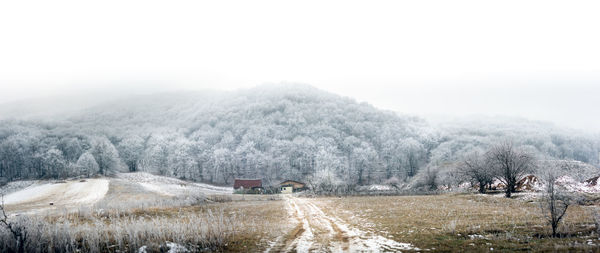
274 132
299 126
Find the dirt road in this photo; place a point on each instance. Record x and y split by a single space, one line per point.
318 232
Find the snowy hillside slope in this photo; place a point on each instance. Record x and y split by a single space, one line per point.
44 195
107 191
171 186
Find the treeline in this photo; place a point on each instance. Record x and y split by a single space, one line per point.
270 132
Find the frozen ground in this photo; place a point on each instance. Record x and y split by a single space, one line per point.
53 195
15 186
574 186
125 188
171 186
318 232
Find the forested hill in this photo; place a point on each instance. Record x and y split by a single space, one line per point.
272 132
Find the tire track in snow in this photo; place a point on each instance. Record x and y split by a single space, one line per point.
305 240
319 232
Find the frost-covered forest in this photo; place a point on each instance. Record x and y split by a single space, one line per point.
271 132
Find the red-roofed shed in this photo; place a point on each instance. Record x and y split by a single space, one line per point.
247 183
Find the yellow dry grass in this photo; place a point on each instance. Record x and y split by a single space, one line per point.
446 223
243 225
460 222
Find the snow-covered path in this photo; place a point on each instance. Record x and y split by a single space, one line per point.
318 232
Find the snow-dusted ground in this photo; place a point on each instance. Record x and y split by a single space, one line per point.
566 182
61 194
15 186
574 186
531 185
171 186
173 248
305 241
31 193
34 196
321 232
380 187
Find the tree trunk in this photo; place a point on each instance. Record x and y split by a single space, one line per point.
21 245
510 188
360 178
481 187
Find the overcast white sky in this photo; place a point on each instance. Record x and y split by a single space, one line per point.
536 59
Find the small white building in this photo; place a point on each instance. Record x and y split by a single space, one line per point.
287 189
290 186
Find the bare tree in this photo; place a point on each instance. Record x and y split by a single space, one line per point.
476 168
510 164
555 202
430 178
325 182
18 232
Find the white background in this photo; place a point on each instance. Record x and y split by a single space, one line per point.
536 59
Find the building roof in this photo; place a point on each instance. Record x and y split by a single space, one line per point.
247 183
288 181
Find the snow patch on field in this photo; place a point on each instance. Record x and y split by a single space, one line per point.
567 183
168 190
15 186
172 186
31 193
573 186
570 185
380 187
176 248
63 193
306 240
313 218
90 191
362 241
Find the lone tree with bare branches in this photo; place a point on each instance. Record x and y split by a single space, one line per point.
476 168
555 203
556 200
510 164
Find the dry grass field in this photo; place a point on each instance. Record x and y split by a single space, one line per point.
278 223
130 216
465 222
233 226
